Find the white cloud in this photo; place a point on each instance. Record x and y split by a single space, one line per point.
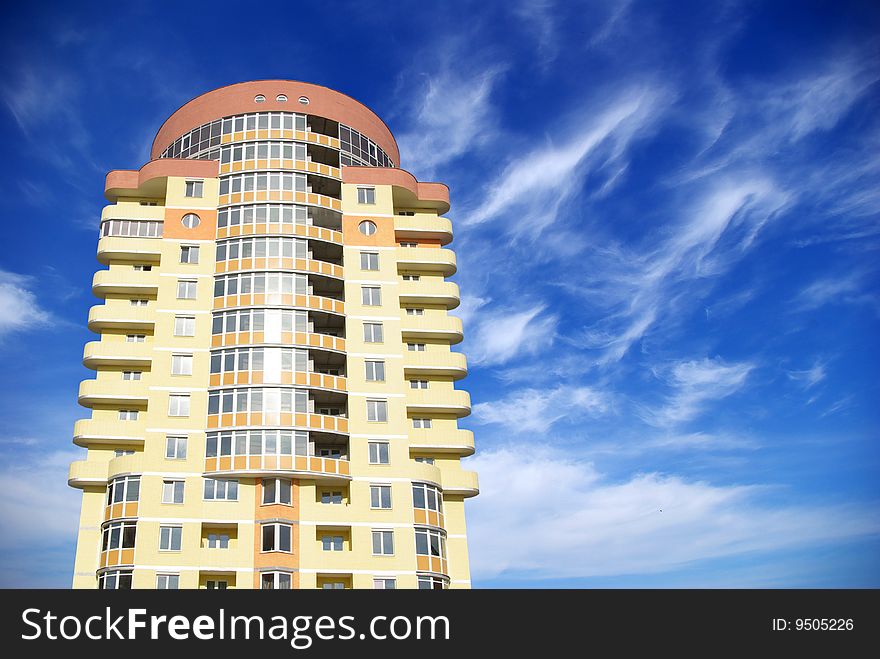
499 336
536 410
539 17
454 117
696 383
845 289
810 377
534 186
19 307
541 514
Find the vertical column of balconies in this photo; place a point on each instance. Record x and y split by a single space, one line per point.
278 389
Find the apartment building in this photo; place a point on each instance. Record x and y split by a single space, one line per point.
274 402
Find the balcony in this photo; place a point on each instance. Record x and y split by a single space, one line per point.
313 302
439 362
430 291
461 483
97 354
438 401
301 230
136 250
432 326
102 392
429 440
425 473
308 467
125 282
122 317
87 432
125 464
423 227
426 259
311 266
87 473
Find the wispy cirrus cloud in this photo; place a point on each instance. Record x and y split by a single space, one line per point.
536 410
19 307
694 384
810 377
647 523
502 334
845 289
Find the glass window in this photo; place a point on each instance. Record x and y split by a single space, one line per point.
331 497
170 538
190 220
383 543
380 496
275 581
379 454
276 537
367 227
375 370
421 423
331 542
172 491
371 296
220 490
131 375
181 364
178 405
369 261
186 289
167 581
366 195
373 332
277 490
377 410
194 188
189 254
184 326
175 447
384 584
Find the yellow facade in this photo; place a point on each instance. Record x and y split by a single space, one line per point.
274 401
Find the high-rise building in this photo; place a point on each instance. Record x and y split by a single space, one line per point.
274 402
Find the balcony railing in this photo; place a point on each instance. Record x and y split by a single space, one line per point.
125 282
115 433
430 291
134 250
121 316
117 353
297 466
423 226
99 392
430 440
435 362
426 259
432 325
438 401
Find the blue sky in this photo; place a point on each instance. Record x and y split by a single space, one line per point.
667 223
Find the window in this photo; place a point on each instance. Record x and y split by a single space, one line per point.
367 228
411 277
331 542
218 541
369 261
367 196
371 296
383 543
275 581
384 584
412 311
184 326
139 303
128 415
418 384
121 452
281 98
170 538
119 535
375 370
221 490
421 422
131 375
276 490
175 447
430 542
276 537
190 220
372 332
380 496
424 459
378 453
167 581
181 364
427 582
189 254
195 188
115 580
377 410
132 228
427 497
259 98
135 338
415 347
331 497
172 491
408 244
333 585
142 268
178 405
186 289
218 584
123 489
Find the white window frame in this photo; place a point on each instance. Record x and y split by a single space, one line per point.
280 580
179 405
184 287
169 532
374 330
416 347
377 494
181 360
378 450
374 370
421 422
167 581
184 326
176 446
128 415
196 187
220 489
172 489
277 537
384 583
135 338
187 252
334 542
132 376
368 260
385 539
278 485
371 296
418 384
366 195
377 410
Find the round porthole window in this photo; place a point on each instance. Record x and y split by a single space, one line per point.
259 98
304 100
281 98
367 228
190 220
